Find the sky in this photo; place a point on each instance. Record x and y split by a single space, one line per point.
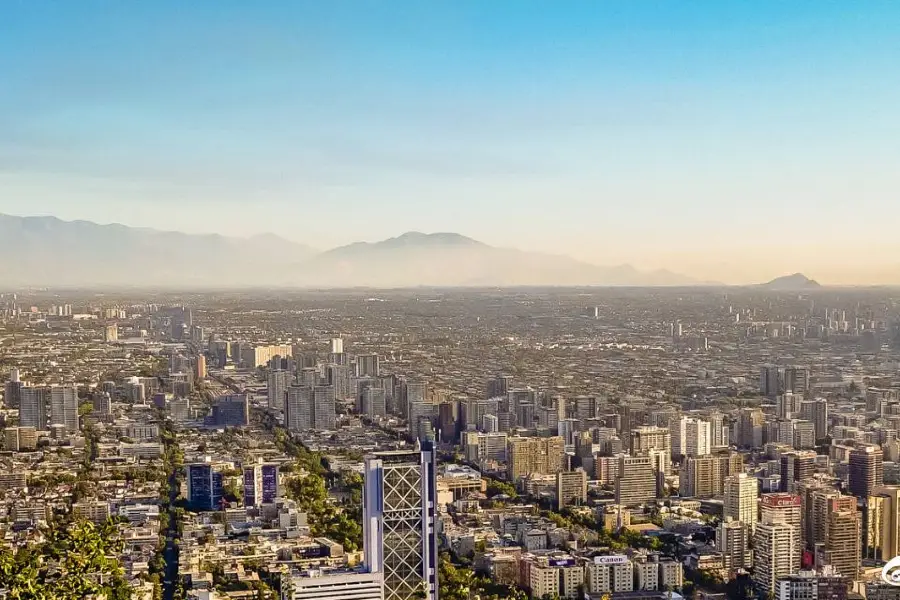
731 141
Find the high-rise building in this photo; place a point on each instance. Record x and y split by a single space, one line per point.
12 390
883 522
260 484
816 412
636 482
323 407
690 437
400 522
733 541
571 488
741 491
338 377
773 555
232 410
200 368
534 456
309 408
784 508
644 439
842 546
769 381
749 428
796 380
337 346
498 386
64 407
33 408
276 388
866 470
367 365
796 467
704 476
374 402
204 486
833 528
298 408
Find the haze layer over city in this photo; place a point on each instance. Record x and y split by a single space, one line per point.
449 301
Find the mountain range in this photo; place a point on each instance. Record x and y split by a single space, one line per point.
46 251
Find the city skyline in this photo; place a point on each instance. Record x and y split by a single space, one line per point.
729 142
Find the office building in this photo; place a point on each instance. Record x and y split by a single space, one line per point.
866 470
609 574
690 437
796 467
704 476
64 407
770 381
367 365
33 408
733 541
20 439
260 484
784 508
373 402
337 346
636 481
571 488
332 584
323 408
749 428
842 541
774 555
816 412
298 408
400 520
644 439
810 585
12 390
795 380
741 491
258 356
883 522
277 383
111 333
498 387
481 447
232 410
204 486
534 456
200 371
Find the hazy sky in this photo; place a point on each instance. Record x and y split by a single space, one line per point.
729 140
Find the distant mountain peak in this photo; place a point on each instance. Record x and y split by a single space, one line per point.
796 281
440 238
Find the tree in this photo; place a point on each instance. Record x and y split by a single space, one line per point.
75 561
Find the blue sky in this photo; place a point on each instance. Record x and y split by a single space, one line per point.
730 140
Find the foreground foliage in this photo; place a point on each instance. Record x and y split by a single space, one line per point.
75 561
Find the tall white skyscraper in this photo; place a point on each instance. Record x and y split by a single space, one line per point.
690 437
399 522
64 407
773 554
